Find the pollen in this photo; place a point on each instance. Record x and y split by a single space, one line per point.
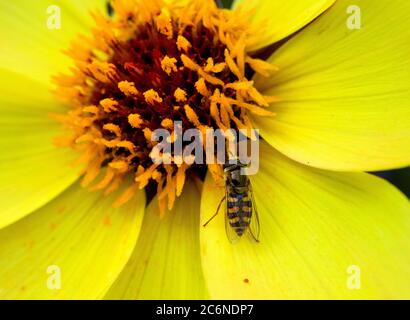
211 67
192 116
103 71
200 86
169 65
167 123
119 165
183 44
151 97
109 105
147 66
128 88
164 23
91 109
113 128
180 95
135 120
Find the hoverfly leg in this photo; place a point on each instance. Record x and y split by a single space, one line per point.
216 213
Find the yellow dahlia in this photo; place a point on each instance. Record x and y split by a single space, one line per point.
87 213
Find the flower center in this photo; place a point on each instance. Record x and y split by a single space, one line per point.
146 68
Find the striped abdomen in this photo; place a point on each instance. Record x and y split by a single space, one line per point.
239 211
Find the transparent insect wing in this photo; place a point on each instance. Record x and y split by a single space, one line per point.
254 226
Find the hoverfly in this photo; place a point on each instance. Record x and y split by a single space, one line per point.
241 215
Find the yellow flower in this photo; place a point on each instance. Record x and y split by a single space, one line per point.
331 102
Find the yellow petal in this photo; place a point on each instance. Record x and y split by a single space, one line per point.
324 235
29 45
73 248
344 94
279 19
166 261
32 170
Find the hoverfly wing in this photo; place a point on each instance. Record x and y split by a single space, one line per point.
254 227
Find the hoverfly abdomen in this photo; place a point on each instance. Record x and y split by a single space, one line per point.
241 215
239 212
